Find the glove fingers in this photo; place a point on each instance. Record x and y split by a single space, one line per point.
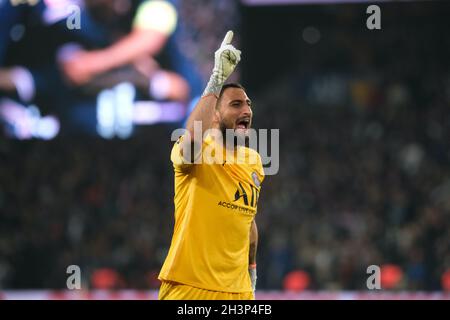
233 54
227 47
227 39
238 55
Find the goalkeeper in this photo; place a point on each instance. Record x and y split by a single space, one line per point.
213 250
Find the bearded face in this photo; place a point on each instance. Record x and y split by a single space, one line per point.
234 112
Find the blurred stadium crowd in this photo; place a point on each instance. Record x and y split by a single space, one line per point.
364 176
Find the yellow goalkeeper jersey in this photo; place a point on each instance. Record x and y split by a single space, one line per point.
214 207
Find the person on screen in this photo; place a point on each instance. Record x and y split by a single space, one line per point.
135 35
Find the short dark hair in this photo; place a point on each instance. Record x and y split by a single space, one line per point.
225 87
230 85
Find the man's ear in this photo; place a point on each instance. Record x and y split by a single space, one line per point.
216 117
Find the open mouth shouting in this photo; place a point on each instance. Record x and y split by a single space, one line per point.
243 123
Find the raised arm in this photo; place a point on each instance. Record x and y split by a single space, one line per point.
154 23
225 60
138 43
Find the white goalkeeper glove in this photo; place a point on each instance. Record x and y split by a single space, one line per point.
253 277
226 59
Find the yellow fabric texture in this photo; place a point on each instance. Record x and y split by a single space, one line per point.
177 291
215 205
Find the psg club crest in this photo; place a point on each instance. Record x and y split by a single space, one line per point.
255 179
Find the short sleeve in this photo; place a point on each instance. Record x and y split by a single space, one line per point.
179 163
156 15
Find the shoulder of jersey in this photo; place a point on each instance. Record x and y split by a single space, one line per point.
253 152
